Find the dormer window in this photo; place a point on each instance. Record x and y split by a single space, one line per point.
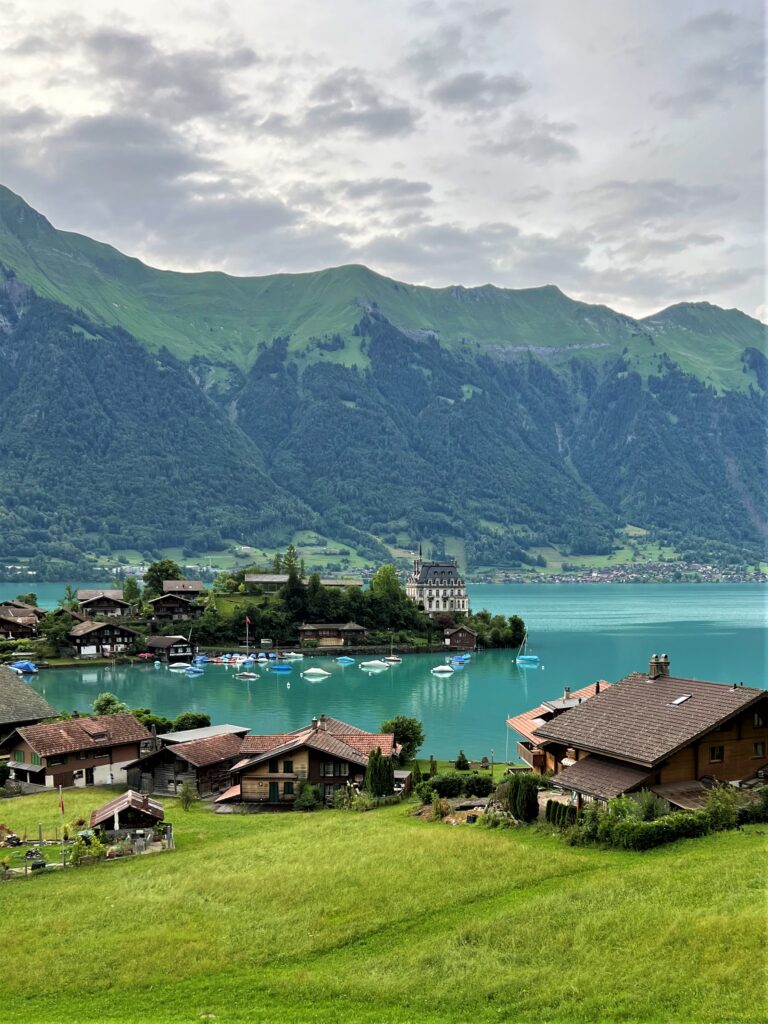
681 699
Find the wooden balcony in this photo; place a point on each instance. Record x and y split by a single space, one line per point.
534 757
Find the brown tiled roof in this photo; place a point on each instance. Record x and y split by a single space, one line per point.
369 742
89 595
596 776
82 628
83 733
353 747
260 744
636 719
165 641
172 596
21 606
208 751
530 720
136 801
182 586
19 702
18 616
459 629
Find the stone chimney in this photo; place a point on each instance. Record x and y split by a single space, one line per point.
655 668
323 723
314 724
664 664
567 693
597 687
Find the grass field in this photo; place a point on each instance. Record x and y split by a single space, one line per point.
378 917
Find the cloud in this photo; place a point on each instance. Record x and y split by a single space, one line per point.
537 141
399 191
712 21
429 58
476 90
624 206
716 81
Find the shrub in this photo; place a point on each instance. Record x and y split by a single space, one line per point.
478 785
462 764
440 808
187 794
309 798
424 791
756 809
651 806
722 807
448 784
520 796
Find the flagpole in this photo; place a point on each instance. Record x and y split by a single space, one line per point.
247 645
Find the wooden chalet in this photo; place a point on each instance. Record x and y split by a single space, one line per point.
530 748
175 607
188 588
170 648
331 634
653 730
205 762
19 703
327 753
101 639
109 603
128 811
18 622
460 638
77 752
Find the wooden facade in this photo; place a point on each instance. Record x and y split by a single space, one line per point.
331 634
170 648
107 603
174 607
460 638
101 639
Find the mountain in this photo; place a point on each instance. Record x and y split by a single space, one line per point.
145 409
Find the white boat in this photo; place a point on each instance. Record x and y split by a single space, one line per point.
443 670
373 664
292 656
317 673
247 675
523 658
392 659
180 666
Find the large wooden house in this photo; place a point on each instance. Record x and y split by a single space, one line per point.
653 730
77 752
460 638
109 603
101 639
189 588
18 622
175 607
205 762
327 753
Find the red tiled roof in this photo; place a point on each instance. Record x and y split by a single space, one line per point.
260 744
83 733
136 801
369 742
530 720
209 750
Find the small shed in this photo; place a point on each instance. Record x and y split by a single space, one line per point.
331 634
460 638
129 810
170 648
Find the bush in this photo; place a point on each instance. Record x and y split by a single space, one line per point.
478 785
462 764
755 810
424 791
187 794
520 796
448 784
651 806
722 807
309 798
440 808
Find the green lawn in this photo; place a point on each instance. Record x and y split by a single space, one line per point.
335 917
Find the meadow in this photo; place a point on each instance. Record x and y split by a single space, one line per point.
336 917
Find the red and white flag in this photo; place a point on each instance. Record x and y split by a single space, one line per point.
247 620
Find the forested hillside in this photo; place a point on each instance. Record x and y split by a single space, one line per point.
500 421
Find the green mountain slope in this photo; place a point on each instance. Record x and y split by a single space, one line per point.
223 319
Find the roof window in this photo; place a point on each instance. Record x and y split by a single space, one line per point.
682 698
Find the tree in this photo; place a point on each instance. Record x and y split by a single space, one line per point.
386 583
462 764
380 774
165 569
132 591
409 733
69 600
30 598
55 629
187 794
291 562
191 720
108 704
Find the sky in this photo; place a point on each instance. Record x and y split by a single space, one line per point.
613 148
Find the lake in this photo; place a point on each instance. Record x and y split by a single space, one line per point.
581 632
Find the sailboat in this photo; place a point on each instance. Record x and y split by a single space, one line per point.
523 658
392 658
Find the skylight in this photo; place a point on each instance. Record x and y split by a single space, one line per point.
682 699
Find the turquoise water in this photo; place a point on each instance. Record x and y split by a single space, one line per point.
581 632
48 594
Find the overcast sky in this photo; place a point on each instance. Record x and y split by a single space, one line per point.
614 148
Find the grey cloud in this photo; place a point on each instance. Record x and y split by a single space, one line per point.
641 247
622 205
31 119
477 90
398 190
712 21
716 80
537 141
428 58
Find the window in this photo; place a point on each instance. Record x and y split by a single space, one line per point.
18 755
288 788
59 759
274 767
82 754
328 768
288 767
758 749
758 720
34 758
344 768
716 754
682 698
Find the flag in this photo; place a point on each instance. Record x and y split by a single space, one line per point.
247 620
61 802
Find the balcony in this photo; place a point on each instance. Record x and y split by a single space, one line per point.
534 757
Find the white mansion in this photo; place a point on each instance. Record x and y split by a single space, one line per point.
437 587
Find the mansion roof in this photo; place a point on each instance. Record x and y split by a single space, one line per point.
436 573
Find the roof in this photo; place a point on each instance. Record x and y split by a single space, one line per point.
308 626
18 616
233 793
209 750
596 776
443 573
266 577
326 582
88 626
182 586
460 629
174 596
130 799
165 641
530 720
90 595
637 720
259 744
19 702
188 735
332 736
688 796
83 733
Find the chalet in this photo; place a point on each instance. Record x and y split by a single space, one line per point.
109 603
101 639
169 648
175 607
437 587
656 731
19 703
460 638
77 752
530 748
328 753
331 634
23 607
205 762
189 588
17 623
128 811
271 582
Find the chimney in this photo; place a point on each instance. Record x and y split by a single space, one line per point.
664 664
597 687
654 668
567 693
323 723
314 724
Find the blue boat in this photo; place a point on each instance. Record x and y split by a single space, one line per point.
27 667
345 660
523 659
280 668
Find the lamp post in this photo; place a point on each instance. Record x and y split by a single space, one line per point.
491 763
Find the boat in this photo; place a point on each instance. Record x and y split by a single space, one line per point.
247 675
178 668
280 668
194 671
373 664
291 656
317 673
523 658
24 667
345 660
392 658
443 670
